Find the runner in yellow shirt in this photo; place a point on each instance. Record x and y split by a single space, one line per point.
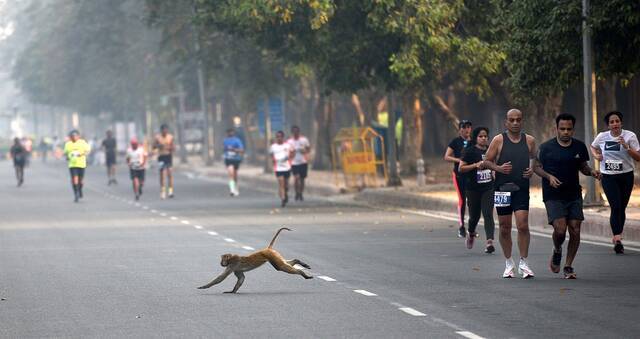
76 151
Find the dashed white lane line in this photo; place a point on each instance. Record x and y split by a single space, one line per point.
325 278
174 218
469 335
154 211
212 233
229 240
366 293
145 207
412 312
198 227
185 222
248 248
163 214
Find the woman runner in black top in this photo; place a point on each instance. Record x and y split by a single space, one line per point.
479 186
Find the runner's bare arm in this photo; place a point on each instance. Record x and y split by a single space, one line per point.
597 153
588 171
448 156
531 144
464 167
493 152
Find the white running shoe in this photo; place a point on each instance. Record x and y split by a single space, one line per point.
524 270
509 270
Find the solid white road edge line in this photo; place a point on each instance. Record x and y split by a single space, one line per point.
582 241
366 293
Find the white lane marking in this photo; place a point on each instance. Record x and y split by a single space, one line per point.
229 240
366 293
145 207
198 227
412 312
212 233
325 278
163 214
469 335
539 234
186 222
248 248
137 204
174 218
154 211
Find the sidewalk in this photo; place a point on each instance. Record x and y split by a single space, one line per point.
436 196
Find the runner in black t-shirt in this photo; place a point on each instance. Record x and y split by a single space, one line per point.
19 155
454 155
559 161
109 147
479 187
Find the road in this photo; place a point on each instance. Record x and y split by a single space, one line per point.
110 267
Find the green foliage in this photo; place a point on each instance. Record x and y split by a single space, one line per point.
543 42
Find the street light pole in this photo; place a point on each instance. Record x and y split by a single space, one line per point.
590 116
208 128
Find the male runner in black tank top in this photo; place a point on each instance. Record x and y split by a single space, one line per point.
509 154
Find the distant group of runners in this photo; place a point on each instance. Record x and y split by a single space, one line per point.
497 173
289 157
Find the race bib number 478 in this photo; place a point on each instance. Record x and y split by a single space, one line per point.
502 199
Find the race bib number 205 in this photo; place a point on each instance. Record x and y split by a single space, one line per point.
502 199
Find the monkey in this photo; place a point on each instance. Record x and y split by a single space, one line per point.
239 264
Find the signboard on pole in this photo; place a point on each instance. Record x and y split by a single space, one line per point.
276 115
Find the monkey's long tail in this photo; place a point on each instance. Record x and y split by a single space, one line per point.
275 236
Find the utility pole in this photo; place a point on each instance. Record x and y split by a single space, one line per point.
394 178
208 130
267 136
179 118
590 116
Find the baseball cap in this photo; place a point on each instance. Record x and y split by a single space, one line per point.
464 123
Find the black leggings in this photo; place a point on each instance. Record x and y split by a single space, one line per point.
481 201
617 188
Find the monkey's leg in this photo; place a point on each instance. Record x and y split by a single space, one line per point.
281 265
240 276
293 262
217 280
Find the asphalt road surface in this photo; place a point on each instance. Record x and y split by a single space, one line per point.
111 267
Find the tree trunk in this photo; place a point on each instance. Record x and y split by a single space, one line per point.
542 127
607 101
447 110
412 133
323 133
362 115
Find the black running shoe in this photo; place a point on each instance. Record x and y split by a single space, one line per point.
569 273
556 258
489 249
618 247
462 232
301 197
